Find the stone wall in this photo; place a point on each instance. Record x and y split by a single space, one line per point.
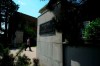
49 47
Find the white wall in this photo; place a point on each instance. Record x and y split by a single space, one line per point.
49 48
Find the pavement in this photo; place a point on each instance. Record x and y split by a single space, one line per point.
29 54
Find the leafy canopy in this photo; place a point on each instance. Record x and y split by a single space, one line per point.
92 30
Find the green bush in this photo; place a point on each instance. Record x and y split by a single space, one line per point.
92 30
23 61
7 59
29 30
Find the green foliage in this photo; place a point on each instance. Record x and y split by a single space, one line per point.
7 10
23 61
4 51
29 30
7 59
1 49
92 30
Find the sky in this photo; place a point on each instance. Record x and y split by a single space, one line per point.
30 7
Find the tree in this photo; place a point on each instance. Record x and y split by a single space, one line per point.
92 30
72 15
30 29
7 9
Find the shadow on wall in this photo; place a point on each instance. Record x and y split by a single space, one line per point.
82 56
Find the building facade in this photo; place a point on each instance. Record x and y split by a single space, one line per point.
17 27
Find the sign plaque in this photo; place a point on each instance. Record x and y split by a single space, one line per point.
47 28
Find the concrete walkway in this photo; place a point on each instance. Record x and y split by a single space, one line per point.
29 54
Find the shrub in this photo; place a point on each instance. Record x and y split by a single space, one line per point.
23 61
7 59
92 30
